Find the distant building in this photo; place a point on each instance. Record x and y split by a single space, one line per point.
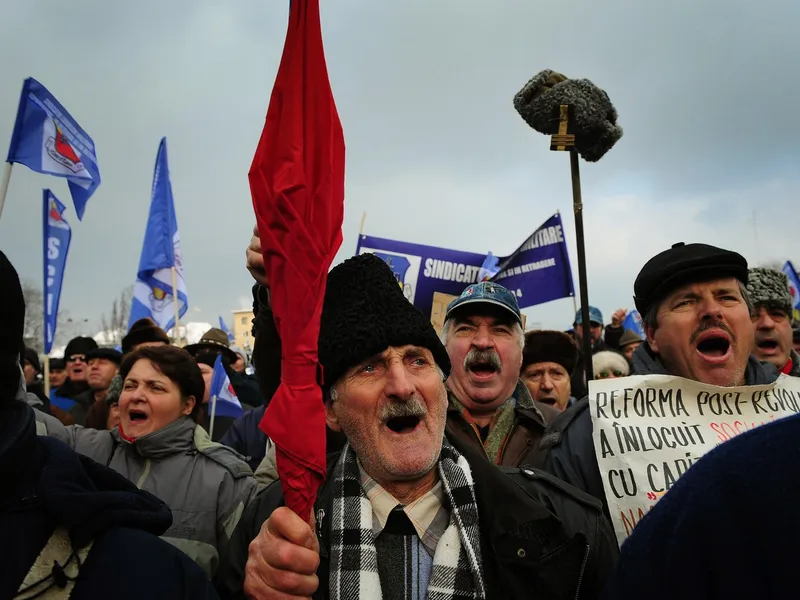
242 328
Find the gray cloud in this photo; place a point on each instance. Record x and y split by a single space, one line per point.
436 153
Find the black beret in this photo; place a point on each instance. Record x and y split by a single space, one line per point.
681 265
364 313
550 346
114 356
32 357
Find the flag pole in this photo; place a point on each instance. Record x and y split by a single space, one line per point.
213 414
363 218
4 184
47 375
175 304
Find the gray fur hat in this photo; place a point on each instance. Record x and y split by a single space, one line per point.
769 287
594 120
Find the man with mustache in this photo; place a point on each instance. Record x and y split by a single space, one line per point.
696 314
489 405
769 290
406 512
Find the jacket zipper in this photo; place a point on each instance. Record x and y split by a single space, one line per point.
320 518
583 568
145 473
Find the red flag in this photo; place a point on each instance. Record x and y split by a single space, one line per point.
297 184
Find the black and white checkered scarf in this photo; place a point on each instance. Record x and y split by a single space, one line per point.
457 571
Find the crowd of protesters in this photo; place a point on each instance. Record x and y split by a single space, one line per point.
461 463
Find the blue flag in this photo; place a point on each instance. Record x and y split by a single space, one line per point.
57 236
153 292
537 272
794 287
221 396
46 139
231 337
633 321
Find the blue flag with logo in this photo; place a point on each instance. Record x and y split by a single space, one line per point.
222 397
46 139
161 252
633 321
57 236
794 287
537 272
231 337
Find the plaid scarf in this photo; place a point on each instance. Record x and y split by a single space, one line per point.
457 565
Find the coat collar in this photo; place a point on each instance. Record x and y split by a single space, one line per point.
175 438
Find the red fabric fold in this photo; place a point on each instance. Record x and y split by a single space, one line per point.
297 184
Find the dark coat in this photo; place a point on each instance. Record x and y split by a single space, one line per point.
728 528
569 442
46 485
569 548
246 438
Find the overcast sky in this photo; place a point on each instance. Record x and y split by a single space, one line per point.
707 94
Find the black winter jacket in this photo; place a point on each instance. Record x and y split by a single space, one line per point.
569 548
568 439
47 485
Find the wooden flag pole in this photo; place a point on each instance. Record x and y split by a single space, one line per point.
6 178
563 141
175 304
47 375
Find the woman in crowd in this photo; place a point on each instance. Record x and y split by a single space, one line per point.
159 446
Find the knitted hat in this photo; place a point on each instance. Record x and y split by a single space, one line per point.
549 346
12 309
143 331
769 287
364 313
79 345
610 361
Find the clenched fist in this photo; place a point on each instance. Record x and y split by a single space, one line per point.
282 561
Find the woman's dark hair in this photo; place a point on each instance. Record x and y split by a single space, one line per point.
174 363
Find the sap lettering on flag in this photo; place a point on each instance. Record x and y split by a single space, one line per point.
57 236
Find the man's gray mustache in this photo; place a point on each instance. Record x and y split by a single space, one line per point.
485 357
414 407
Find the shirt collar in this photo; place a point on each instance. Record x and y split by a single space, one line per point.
428 514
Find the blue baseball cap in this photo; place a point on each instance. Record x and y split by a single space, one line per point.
487 292
595 316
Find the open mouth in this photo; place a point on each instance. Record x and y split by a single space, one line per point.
137 416
550 401
482 369
403 424
714 346
768 345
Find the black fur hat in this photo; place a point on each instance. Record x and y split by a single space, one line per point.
364 313
550 346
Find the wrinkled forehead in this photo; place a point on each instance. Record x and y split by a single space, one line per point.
700 288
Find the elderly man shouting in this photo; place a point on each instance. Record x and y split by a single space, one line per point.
696 314
489 406
404 513
772 299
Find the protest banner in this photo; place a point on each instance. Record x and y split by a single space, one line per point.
649 429
538 271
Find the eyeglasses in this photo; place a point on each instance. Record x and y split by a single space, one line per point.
77 358
607 374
